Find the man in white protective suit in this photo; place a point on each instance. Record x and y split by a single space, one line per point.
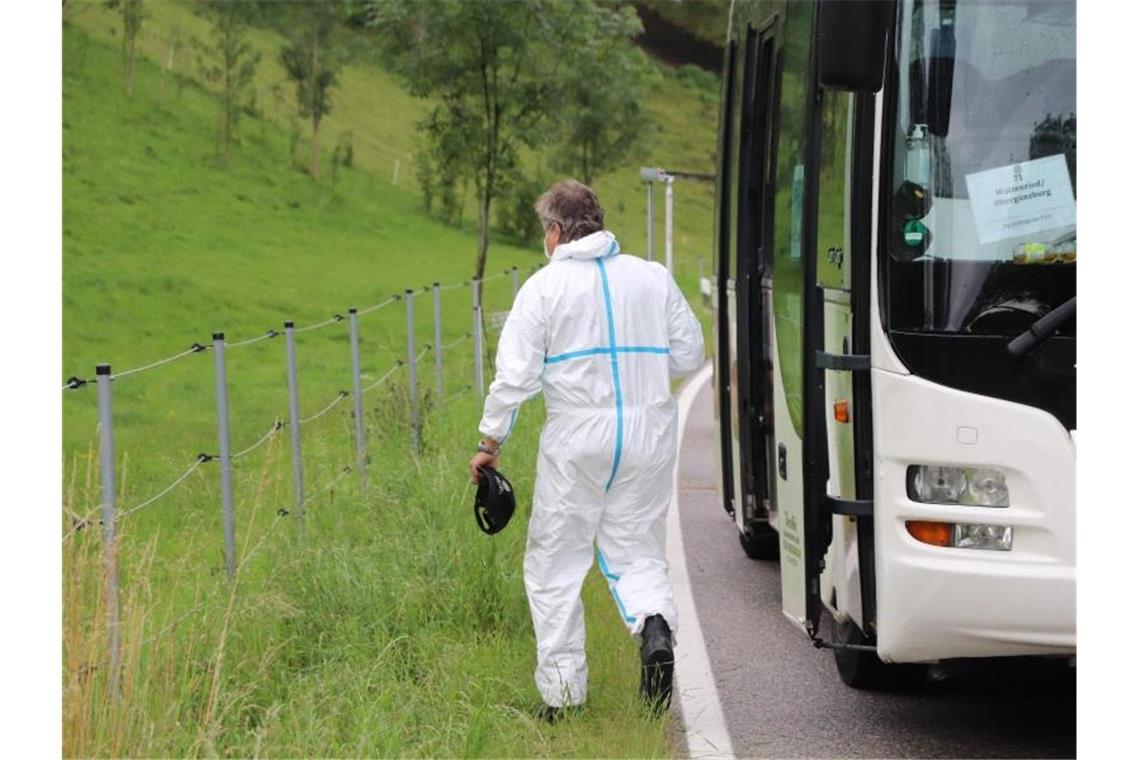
600 334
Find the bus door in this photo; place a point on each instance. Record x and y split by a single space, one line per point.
723 368
837 517
752 393
791 238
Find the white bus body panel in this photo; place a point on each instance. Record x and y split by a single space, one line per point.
734 421
789 496
938 602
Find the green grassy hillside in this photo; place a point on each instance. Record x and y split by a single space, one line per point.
381 117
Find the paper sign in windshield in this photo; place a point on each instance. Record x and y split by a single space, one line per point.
1022 199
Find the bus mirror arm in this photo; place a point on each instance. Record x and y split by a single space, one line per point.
1040 331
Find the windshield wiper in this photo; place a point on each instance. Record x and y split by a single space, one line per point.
1039 331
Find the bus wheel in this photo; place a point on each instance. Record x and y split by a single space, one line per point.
760 542
862 669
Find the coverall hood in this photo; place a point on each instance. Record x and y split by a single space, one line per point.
596 245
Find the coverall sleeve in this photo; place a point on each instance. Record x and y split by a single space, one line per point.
686 340
519 363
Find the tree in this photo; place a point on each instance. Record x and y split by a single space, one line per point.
230 62
493 67
312 62
604 119
131 12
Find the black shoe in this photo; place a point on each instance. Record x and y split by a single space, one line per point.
656 663
555 714
547 713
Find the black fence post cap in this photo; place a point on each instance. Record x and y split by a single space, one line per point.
102 369
219 336
289 324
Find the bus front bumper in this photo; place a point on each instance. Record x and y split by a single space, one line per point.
939 602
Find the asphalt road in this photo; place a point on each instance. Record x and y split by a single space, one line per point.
783 698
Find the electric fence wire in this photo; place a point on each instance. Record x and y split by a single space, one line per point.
202 458
79 524
170 628
196 348
74 382
395 297
251 341
331 320
78 382
340 396
399 363
448 346
461 392
273 430
344 473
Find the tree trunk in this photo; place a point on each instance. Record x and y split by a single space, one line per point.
315 147
163 75
227 104
315 150
130 67
484 231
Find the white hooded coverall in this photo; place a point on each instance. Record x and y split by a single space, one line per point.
600 334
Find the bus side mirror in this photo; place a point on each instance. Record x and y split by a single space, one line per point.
851 41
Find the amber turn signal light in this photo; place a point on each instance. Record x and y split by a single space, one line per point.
933 533
842 413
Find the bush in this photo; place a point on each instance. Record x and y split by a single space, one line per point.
515 208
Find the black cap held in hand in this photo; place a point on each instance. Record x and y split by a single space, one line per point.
494 501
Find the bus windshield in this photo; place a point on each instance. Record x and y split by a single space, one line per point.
981 229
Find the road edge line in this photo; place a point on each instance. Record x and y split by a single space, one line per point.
706 734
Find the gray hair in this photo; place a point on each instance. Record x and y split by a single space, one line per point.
573 207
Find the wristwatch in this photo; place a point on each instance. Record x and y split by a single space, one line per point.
484 449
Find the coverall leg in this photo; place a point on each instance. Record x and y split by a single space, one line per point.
566 509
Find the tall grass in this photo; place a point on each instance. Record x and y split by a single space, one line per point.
389 626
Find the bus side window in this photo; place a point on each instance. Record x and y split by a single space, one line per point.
787 237
833 230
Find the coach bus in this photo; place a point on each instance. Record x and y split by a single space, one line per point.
895 318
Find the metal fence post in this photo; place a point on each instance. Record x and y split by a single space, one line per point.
669 224
295 422
357 395
222 399
413 393
477 334
515 281
437 309
649 221
110 548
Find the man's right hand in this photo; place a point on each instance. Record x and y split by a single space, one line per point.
482 459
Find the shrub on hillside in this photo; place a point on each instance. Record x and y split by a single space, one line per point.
515 209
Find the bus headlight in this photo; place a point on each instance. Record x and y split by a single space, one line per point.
970 486
986 487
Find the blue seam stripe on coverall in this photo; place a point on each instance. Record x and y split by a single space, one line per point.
613 587
605 350
514 419
616 373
